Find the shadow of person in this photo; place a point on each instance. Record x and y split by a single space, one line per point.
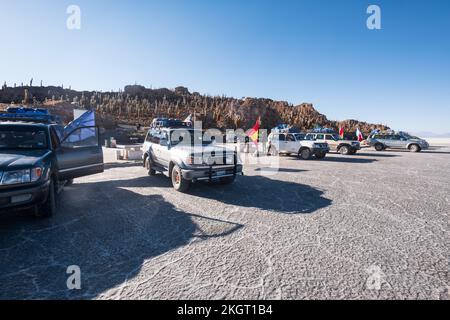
265 193
106 229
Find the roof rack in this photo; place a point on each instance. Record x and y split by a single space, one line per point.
159 123
23 114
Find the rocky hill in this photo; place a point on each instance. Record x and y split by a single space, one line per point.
137 104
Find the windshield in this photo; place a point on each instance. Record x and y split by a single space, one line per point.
15 137
189 137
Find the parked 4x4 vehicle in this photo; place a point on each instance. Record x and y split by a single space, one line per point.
400 140
187 156
346 147
295 143
37 159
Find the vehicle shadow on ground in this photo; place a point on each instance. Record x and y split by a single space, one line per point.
104 228
265 193
114 165
378 155
283 170
435 152
431 151
349 159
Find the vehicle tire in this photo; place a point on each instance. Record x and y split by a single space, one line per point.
273 151
148 167
48 208
379 147
179 183
227 180
345 150
304 154
321 155
414 148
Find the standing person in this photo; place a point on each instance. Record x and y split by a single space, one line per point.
246 144
263 139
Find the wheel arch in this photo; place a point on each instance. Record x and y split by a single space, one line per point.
339 147
304 148
413 144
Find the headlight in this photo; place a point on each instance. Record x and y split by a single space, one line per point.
21 176
193 160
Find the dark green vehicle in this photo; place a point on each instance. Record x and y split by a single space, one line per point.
37 159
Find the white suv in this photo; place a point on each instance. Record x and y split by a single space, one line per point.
295 143
188 156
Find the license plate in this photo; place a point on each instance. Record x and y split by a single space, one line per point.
221 173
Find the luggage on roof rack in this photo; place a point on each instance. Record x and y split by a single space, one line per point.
167 123
25 114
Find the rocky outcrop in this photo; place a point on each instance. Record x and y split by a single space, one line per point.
137 104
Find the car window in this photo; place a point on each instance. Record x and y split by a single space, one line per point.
395 137
320 137
281 137
155 137
26 137
82 138
329 137
300 136
290 138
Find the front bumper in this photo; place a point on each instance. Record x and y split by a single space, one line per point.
23 197
211 173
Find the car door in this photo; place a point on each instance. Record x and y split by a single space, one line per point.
291 143
80 154
403 143
394 142
328 138
282 143
163 149
154 148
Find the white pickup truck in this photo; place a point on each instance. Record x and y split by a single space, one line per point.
295 143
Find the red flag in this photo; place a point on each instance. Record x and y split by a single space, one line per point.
341 132
359 135
254 132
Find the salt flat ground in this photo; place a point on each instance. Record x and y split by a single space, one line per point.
374 225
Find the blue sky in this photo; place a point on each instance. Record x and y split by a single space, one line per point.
299 51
